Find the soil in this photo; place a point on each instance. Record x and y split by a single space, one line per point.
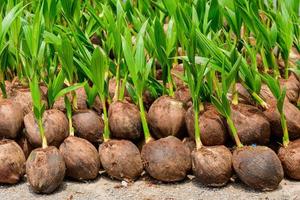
147 189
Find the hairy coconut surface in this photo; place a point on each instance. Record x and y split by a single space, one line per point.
45 169
190 143
292 88
258 167
290 159
252 125
183 94
12 162
11 119
166 159
121 159
124 120
23 97
213 130
55 126
212 165
24 144
88 125
81 158
166 117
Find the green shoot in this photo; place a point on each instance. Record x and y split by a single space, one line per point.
38 108
139 70
279 94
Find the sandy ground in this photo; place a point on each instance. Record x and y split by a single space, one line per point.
147 189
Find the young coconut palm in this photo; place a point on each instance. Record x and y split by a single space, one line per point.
45 167
166 159
212 165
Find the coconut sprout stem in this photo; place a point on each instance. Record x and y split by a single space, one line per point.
74 100
144 120
235 96
71 129
259 100
123 86
42 133
117 90
3 89
197 128
170 81
286 139
106 134
234 132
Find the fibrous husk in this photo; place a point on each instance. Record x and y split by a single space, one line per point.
212 165
81 158
251 123
23 97
212 128
121 159
166 117
11 120
124 120
55 126
290 159
166 159
12 162
45 169
88 125
258 167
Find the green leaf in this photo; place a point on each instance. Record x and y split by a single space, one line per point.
69 89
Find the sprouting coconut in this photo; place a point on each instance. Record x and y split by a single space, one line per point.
11 120
113 154
12 162
88 125
213 130
212 165
45 167
251 123
124 120
55 126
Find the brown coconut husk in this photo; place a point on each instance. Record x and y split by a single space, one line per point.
292 88
183 94
124 120
45 169
121 159
290 159
213 131
81 158
166 117
166 159
252 125
88 125
258 167
23 97
55 126
212 165
24 144
11 120
12 162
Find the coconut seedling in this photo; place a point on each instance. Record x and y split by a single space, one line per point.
289 153
212 165
124 117
166 159
45 166
251 163
166 106
11 122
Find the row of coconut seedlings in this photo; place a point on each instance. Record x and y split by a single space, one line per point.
159 155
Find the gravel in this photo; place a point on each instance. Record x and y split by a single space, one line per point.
148 189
